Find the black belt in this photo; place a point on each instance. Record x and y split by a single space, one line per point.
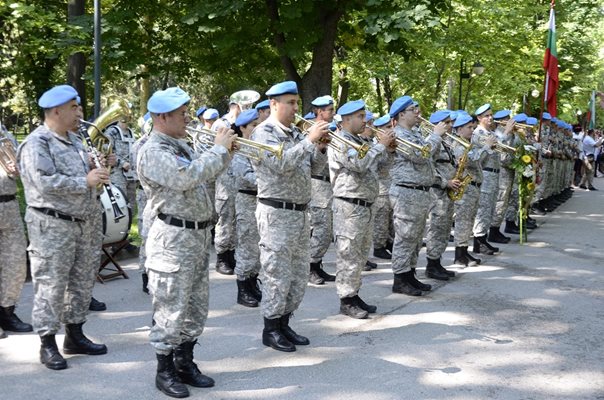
444 161
494 170
56 214
183 223
250 192
358 202
321 177
283 204
424 188
7 197
435 186
478 185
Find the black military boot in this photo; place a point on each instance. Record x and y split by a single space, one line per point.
244 296
314 276
232 259
326 277
76 343
473 260
166 378
370 264
496 236
273 337
145 282
401 285
433 271
382 253
254 288
11 323
511 227
2 334
371 309
186 369
290 334
49 353
417 284
460 257
96 305
442 269
530 223
482 246
349 306
223 264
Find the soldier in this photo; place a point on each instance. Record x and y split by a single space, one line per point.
321 216
209 117
264 110
121 174
412 176
180 213
12 244
247 255
355 187
199 115
284 188
61 216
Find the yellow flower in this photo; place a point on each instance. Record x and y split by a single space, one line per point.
526 159
530 186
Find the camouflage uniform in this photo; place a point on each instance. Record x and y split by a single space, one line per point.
355 187
12 241
177 257
141 201
321 215
541 189
506 178
63 253
124 180
383 228
412 176
284 233
490 186
248 253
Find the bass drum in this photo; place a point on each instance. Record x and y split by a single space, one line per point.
115 231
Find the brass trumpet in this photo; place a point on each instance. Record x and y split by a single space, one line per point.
499 147
7 155
257 147
404 145
426 127
361 149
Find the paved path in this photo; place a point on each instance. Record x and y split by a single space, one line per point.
525 325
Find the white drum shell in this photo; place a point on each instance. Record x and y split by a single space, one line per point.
115 231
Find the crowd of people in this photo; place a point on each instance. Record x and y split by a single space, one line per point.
271 191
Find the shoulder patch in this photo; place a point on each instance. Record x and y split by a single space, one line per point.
269 127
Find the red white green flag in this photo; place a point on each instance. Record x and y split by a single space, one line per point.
550 64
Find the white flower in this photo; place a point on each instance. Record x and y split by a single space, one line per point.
528 172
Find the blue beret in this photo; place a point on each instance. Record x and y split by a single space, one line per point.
57 96
439 116
546 116
200 111
520 117
210 113
262 105
368 116
554 120
501 114
322 101
164 101
310 115
351 107
561 124
400 104
415 103
333 126
531 121
461 120
381 121
483 108
287 87
453 115
247 116
146 116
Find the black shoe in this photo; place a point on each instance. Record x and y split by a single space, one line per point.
538 209
495 236
290 334
314 277
244 296
511 227
592 188
367 267
96 305
223 264
273 337
382 253
166 378
481 246
145 282
371 264
186 369
473 260
232 259
389 246
349 306
254 288
371 309
583 187
77 343
417 284
433 271
530 224
10 322
401 285
326 277
2 334
49 353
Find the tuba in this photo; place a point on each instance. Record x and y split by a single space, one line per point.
118 109
7 155
245 98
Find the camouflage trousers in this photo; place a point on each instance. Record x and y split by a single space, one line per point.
285 256
486 205
511 213
247 253
465 214
321 232
439 223
64 261
12 253
383 229
353 241
506 181
127 187
410 208
225 234
141 202
177 263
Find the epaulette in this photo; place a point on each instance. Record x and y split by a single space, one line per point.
269 127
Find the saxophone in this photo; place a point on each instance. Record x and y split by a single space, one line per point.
460 175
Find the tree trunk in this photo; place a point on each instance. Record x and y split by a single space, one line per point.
380 98
387 91
76 64
343 87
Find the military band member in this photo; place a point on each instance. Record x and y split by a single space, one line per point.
321 216
12 245
412 176
121 173
247 254
60 189
178 238
284 191
209 117
355 187
264 110
199 115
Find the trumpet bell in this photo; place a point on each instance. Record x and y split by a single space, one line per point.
245 98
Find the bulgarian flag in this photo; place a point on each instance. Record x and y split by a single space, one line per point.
550 64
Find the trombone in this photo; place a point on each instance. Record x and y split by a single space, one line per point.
426 128
499 147
361 149
404 145
520 129
246 144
